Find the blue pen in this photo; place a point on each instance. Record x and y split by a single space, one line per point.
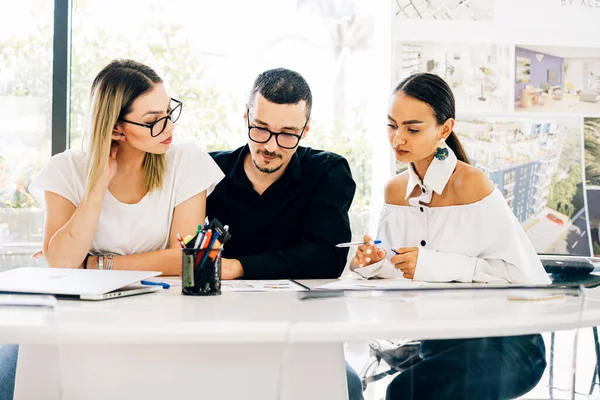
394 251
150 283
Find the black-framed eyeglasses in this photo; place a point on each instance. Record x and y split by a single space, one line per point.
263 135
157 127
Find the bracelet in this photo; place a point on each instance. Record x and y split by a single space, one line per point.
85 260
109 261
100 264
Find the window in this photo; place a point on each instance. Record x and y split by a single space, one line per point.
331 45
25 98
509 177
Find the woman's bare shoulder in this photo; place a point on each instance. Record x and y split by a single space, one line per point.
471 184
395 189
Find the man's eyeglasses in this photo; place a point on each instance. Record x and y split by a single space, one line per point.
263 135
157 127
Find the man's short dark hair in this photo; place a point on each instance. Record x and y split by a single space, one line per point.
282 86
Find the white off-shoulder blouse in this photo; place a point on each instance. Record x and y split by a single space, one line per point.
478 242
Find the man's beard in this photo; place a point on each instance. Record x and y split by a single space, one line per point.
267 170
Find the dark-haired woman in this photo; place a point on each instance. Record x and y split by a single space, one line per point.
446 222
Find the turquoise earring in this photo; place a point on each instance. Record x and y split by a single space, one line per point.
441 153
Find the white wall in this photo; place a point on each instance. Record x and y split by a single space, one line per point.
575 73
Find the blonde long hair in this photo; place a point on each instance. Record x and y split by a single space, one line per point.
113 92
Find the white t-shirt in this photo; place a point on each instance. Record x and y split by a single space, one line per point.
478 242
133 228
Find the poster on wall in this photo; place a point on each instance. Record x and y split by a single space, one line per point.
592 179
555 79
474 10
536 164
522 92
593 201
479 74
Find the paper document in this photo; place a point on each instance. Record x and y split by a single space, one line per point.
372 284
279 285
27 300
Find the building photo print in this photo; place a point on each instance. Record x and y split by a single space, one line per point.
537 165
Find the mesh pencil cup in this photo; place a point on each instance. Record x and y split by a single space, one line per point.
201 272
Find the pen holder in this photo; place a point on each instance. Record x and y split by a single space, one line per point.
201 272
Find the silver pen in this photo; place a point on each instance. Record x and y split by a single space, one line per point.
350 244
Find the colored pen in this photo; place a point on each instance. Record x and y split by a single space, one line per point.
206 240
180 240
212 241
206 237
200 240
201 230
215 250
151 283
198 231
350 244
394 251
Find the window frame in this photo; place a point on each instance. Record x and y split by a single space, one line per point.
61 75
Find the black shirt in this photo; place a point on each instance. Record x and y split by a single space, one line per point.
291 229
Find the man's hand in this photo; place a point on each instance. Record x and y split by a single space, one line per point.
406 260
231 269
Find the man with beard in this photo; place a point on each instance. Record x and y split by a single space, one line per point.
286 205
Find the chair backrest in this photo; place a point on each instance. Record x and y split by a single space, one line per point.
399 355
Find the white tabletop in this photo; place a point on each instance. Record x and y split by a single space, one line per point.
169 317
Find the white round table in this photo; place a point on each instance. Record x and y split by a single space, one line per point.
248 345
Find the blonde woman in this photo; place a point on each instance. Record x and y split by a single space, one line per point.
120 204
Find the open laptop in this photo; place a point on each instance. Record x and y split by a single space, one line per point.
82 284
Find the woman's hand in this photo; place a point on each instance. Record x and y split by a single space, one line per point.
111 167
367 254
406 260
92 261
37 255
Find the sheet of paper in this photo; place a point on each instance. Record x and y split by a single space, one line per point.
279 285
27 300
372 284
